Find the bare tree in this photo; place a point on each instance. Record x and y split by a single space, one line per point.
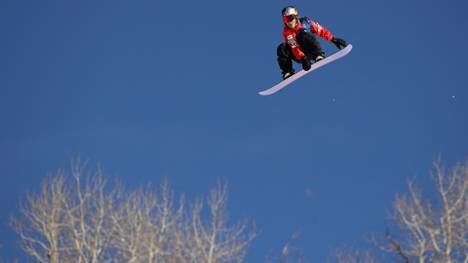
433 231
214 241
80 218
425 230
87 213
66 221
146 226
347 254
42 220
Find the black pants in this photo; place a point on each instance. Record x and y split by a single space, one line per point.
309 45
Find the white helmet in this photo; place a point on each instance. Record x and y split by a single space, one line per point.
289 13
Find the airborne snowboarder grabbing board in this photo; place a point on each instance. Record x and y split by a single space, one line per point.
301 46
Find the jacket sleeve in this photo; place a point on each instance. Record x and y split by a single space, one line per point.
320 31
290 39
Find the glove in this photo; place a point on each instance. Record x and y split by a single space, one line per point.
305 63
339 43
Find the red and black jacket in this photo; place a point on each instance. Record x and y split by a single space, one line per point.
308 25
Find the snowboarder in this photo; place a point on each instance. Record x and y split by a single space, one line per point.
300 44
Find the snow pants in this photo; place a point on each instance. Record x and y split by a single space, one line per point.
309 45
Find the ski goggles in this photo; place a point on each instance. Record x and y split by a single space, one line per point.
289 18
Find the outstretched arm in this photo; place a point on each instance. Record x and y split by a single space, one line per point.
320 30
327 35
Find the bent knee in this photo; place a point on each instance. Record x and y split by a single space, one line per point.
283 50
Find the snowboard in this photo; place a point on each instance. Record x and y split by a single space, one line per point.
341 53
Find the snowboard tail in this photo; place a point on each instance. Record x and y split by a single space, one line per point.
343 52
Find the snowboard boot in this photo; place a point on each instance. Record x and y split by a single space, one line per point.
288 74
319 57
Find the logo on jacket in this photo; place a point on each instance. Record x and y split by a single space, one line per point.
292 41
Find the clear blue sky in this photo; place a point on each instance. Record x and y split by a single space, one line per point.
169 88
